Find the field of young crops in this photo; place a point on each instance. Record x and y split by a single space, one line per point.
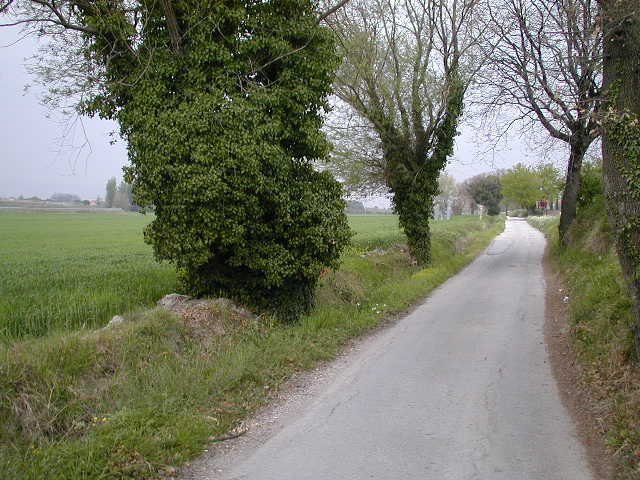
64 271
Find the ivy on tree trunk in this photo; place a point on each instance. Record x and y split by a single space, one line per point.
412 174
221 104
621 138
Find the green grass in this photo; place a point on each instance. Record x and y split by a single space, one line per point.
68 271
65 271
136 400
601 317
374 231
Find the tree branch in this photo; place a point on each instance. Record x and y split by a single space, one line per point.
332 10
172 25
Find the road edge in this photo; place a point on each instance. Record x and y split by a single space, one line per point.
298 391
566 372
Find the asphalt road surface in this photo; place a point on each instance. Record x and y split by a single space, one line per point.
461 389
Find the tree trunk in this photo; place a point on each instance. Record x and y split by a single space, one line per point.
572 188
172 25
415 211
621 138
413 195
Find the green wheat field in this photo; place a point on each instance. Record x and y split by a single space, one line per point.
64 271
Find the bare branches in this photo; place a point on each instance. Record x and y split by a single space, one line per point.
544 64
38 12
546 67
4 5
400 58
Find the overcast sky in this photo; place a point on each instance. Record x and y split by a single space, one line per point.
38 156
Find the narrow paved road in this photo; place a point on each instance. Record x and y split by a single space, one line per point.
460 389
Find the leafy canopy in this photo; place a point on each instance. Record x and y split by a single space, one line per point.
486 190
221 104
524 186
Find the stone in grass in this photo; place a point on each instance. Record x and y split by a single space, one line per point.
116 320
174 302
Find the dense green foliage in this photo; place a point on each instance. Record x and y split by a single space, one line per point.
519 186
591 187
222 125
486 190
523 185
550 181
136 400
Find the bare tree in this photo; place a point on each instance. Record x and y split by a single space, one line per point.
621 138
406 67
544 65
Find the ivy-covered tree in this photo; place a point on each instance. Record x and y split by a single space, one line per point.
621 138
405 71
550 182
221 105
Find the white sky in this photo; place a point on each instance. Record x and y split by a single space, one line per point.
34 160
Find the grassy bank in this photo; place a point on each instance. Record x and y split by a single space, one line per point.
137 400
600 321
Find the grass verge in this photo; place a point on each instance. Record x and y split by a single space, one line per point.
137 400
600 318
